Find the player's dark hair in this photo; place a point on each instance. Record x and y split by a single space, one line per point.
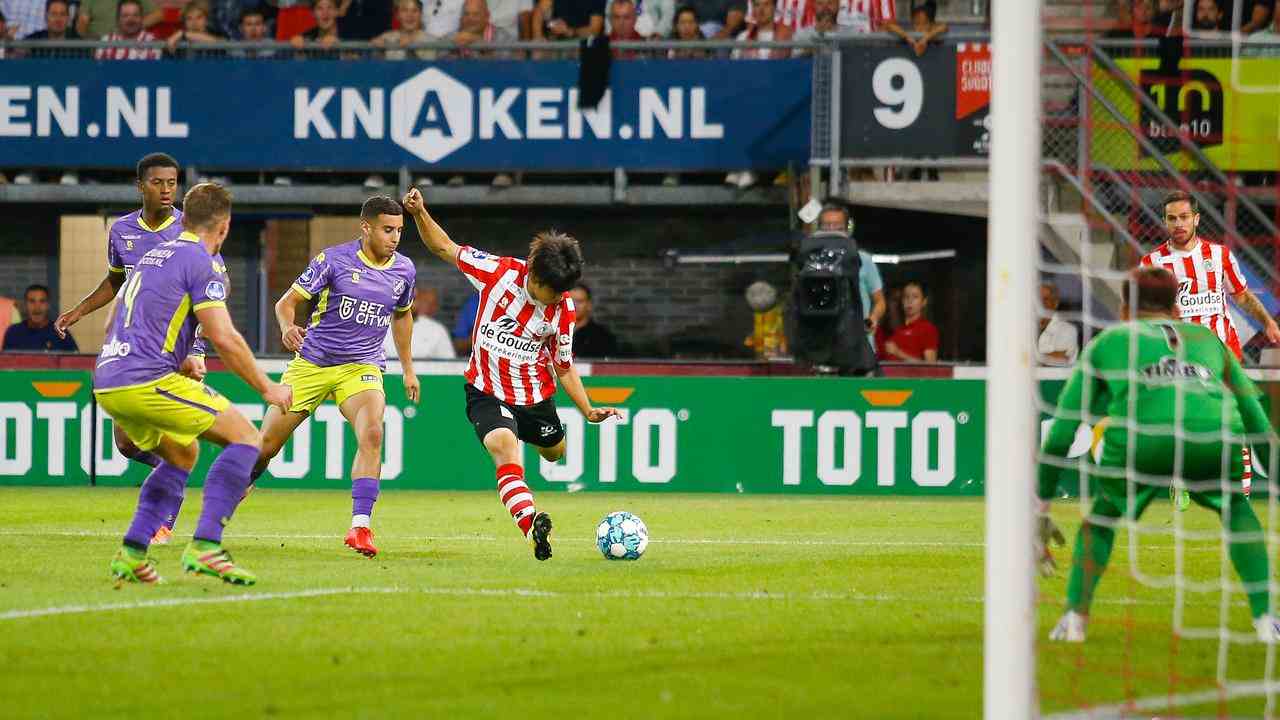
153 160
583 287
205 204
120 5
1157 289
379 205
36 286
555 260
1180 196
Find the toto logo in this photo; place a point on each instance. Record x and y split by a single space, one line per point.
431 115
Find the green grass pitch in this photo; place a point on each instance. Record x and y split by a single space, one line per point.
742 607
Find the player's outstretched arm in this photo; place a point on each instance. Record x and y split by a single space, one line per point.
572 383
100 296
291 335
1256 310
402 334
433 236
235 352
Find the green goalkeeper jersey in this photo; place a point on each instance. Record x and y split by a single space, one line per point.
1139 395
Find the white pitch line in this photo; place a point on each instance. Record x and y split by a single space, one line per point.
171 602
1118 710
492 538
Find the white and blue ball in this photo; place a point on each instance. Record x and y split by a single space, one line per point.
622 536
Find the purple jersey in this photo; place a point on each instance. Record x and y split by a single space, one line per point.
130 238
355 299
155 321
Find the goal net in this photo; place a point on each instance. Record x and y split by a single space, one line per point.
1125 121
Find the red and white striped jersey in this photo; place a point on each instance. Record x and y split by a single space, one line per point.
516 339
861 16
128 53
1207 274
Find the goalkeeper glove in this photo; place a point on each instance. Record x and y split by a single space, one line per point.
1047 533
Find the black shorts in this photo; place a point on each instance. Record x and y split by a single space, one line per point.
537 424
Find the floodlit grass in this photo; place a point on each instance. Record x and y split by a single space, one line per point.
743 606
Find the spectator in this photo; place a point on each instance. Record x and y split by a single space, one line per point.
511 17
253 28
225 17
686 28
324 34
430 336
721 19
9 314
366 19
1141 24
128 30
36 332
409 15
1255 15
867 16
5 34
654 18
444 17
1209 17
825 13
195 27
477 27
1267 42
924 23
465 324
622 16
22 18
1058 344
100 18
590 339
567 19
764 27
917 339
57 20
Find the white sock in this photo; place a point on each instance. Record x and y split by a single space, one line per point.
359 521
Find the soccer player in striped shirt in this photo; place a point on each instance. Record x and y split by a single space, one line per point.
361 288
1207 275
174 288
128 239
522 341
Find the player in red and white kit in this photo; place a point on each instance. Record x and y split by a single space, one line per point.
1208 275
521 342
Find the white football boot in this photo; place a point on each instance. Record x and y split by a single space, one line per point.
1268 628
1070 628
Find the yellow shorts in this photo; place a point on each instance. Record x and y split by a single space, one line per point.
174 405
312 384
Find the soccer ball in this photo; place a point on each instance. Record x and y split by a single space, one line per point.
622 536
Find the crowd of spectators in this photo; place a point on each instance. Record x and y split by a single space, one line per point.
397 26
1141 19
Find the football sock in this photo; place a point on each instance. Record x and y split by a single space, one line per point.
157 495
147 458
224 488
516 496
364 493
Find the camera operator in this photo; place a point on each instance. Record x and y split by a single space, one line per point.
831 320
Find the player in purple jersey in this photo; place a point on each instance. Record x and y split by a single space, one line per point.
128 239
173 289
360 288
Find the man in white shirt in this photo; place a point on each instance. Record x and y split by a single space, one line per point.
430 337
1058 344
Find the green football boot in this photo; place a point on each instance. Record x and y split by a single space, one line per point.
130 565
206 558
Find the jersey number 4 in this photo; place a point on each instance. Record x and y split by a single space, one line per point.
131 288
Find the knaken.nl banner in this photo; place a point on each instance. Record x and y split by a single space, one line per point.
477 115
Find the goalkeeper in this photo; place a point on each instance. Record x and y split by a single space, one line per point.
1176 364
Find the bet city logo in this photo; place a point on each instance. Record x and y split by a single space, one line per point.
433 114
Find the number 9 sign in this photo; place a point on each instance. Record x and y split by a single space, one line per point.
899 88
